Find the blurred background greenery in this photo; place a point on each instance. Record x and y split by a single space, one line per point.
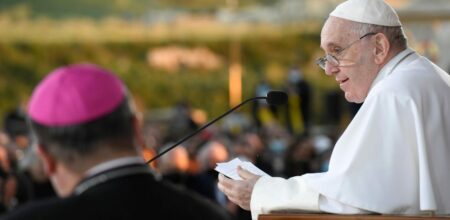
38 36
166 51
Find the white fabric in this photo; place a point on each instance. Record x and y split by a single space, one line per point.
391 65
295 196
330 205
392 159
394 156
274 193
367 11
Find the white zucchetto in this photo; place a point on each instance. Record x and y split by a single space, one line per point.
375 12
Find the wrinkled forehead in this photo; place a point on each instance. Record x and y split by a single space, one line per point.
336 32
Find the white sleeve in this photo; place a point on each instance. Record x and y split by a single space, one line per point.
294 194
333 206
274 193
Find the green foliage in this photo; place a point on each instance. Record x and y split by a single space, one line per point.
79 8
32 45
122 8
22 65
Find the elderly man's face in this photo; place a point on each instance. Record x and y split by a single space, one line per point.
357 69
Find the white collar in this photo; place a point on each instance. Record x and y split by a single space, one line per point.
390 66
111 164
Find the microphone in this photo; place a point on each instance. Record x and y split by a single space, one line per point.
273 98
276 98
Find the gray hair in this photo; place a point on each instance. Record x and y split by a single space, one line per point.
395 35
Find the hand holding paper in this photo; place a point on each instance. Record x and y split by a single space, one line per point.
229 168
240 187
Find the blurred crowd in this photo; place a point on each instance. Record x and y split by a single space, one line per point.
278 140
22 178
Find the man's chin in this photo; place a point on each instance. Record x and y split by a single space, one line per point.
351 98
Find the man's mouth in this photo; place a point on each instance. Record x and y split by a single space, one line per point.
342 81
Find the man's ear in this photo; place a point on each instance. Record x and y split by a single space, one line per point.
48 161
136 122
382 47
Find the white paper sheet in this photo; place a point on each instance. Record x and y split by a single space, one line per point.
229 168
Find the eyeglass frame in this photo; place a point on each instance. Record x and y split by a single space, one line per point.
322 61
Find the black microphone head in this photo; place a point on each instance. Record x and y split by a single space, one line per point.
276 98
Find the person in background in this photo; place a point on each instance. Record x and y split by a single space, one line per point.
8 182
299 157
205 181
299 102
85 129
393 158
174 165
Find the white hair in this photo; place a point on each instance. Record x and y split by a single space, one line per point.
395 35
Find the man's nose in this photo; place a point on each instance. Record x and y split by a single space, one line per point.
331 69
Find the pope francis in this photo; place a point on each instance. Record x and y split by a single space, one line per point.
394 156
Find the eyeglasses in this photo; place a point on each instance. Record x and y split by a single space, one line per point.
321 62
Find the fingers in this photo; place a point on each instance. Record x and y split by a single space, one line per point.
244 174
228 186
225 183
237 191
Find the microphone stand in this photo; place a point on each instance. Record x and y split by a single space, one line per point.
203 127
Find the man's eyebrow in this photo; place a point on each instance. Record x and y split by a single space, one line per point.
329 45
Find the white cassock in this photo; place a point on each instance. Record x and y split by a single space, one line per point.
393 158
